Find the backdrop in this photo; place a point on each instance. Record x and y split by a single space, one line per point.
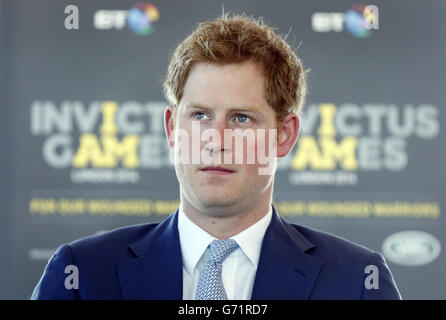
82 137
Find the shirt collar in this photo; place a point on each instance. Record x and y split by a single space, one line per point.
194 240
250 240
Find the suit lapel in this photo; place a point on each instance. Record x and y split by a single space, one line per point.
284 270
156 272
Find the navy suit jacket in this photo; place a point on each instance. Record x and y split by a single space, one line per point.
145 262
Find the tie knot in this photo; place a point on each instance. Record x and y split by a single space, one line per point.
220 249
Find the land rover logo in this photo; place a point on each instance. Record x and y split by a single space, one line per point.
411 248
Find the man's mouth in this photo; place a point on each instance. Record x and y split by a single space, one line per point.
217 170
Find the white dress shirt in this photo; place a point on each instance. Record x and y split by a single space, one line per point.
239 268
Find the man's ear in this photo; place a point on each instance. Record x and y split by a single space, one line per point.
169 125
288 133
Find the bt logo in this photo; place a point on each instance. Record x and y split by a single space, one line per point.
139 18
359 21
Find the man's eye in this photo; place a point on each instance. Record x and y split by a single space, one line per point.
243 118
199 115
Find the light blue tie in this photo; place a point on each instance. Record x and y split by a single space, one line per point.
210 285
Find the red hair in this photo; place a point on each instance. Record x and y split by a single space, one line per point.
234 40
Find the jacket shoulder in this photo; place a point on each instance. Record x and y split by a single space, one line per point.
110 244
345 268
328 243
94 258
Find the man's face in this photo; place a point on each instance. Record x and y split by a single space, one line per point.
223 97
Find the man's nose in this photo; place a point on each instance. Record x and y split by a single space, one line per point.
219 126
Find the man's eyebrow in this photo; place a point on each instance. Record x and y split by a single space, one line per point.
239 109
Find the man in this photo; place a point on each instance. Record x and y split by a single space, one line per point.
226 241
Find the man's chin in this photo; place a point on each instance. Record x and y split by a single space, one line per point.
218 207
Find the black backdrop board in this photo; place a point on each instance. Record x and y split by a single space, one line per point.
369 162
